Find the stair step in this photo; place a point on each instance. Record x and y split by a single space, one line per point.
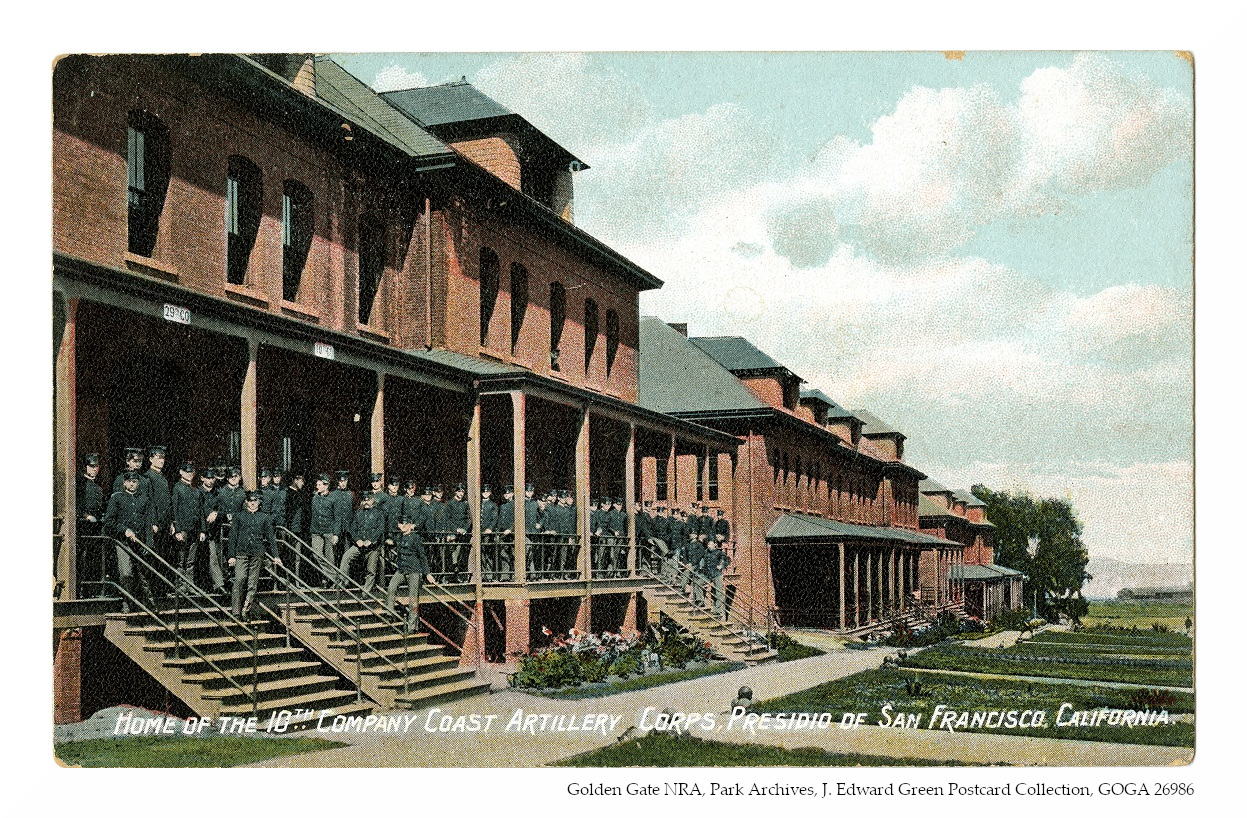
205 645
395 655
385 672
336 700
384 641
265 655
429 695
198 625
214 679
430 678
272 689
364 629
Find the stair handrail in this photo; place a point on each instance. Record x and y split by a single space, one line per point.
305 593
448 602
174 630
742 629
346 583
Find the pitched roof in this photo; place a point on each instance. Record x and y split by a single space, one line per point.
465 363
969 499
806 527
929 508
679 376
736 354
452 107
930 486
338 88
871 425
817 395
988 572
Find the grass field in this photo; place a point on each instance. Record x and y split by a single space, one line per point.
159 751
1139 614
1104 637
871 690
593 691
658 750
1164 672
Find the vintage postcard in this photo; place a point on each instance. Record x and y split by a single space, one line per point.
626 410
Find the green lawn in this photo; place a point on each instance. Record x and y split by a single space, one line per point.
978 660
593 691
870 690
1139 614
658 750
159 751
1106 637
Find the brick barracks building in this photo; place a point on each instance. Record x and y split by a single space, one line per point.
259 261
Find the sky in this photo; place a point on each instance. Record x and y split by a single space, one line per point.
992 253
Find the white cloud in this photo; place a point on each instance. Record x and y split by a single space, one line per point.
394 77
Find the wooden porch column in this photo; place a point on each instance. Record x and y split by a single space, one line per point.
249 399
377 430
842 578
583 562
870 597
672 493
518 479
857 587
66 475
892 578
630 499
474 502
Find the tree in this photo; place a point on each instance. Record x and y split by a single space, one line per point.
1042 539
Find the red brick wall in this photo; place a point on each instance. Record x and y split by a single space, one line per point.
494 154
768 390
67 676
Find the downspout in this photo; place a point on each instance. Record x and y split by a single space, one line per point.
428 273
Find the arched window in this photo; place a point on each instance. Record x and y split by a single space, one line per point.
489 290
558 317
371 262
147 179
591 331
244 195
519 302
296 236
612 339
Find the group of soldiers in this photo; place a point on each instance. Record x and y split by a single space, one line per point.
209 507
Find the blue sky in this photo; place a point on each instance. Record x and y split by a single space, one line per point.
991 253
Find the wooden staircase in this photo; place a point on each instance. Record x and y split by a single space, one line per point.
729 640
394 668
216 666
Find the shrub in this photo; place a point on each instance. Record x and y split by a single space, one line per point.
1152 699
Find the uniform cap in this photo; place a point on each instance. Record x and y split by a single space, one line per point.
486 487
366 497
618 501
266 472
234 471
393 481
188 466
430 489
508 489
254 495
342 474
157 450
322 476
130 475
133 451
409 483
278 471
460 487
92 459
406 518
529 487
376 476
217 471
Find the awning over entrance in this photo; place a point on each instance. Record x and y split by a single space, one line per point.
806 528
988 572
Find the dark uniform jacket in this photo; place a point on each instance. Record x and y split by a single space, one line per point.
251 535
722 528
368 525
677 534
713 563
210 502
273 502
186 509
489 515
694 553
158 491
659 527
229 499
128 512
298 509
90 498
705 527
343 504
391 506
412 558
596 526
644 526
616 522
532 525
324 519
456 515
436 512
145 484
506 517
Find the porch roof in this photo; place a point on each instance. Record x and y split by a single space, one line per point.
804 527
988 572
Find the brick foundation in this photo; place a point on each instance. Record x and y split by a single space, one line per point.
517 627
67 677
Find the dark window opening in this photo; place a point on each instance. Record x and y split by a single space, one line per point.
371 262
591 331
712 486
519 302
660 481
147 179
296 236
558 317
489 290
612 340
244 194
701 477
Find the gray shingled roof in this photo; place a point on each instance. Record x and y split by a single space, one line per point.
340 89
988 572
805 527
737 354
817 395
678 376
929 508
930 486
443 104
871 425
969 499
465 363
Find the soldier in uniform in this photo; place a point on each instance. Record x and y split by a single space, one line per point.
644 531
186 524
134 463
597 554
273 498
413 567
659 539
210 499
722 528
298 505
435 537
230 497
391 503
692 575
367 531
617 521
457 522
677 532
128 518
266 479
250 538
489 516
323 526
532 526
712 565
504 526
343 502
569 549
90 507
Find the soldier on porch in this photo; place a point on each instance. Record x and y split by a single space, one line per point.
457 522
489 541
129 518
250 538
712 566
367 531
323 525
186 521
210 501
134 463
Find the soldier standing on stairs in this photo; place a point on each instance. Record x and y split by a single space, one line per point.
413 568
129 519
250 538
